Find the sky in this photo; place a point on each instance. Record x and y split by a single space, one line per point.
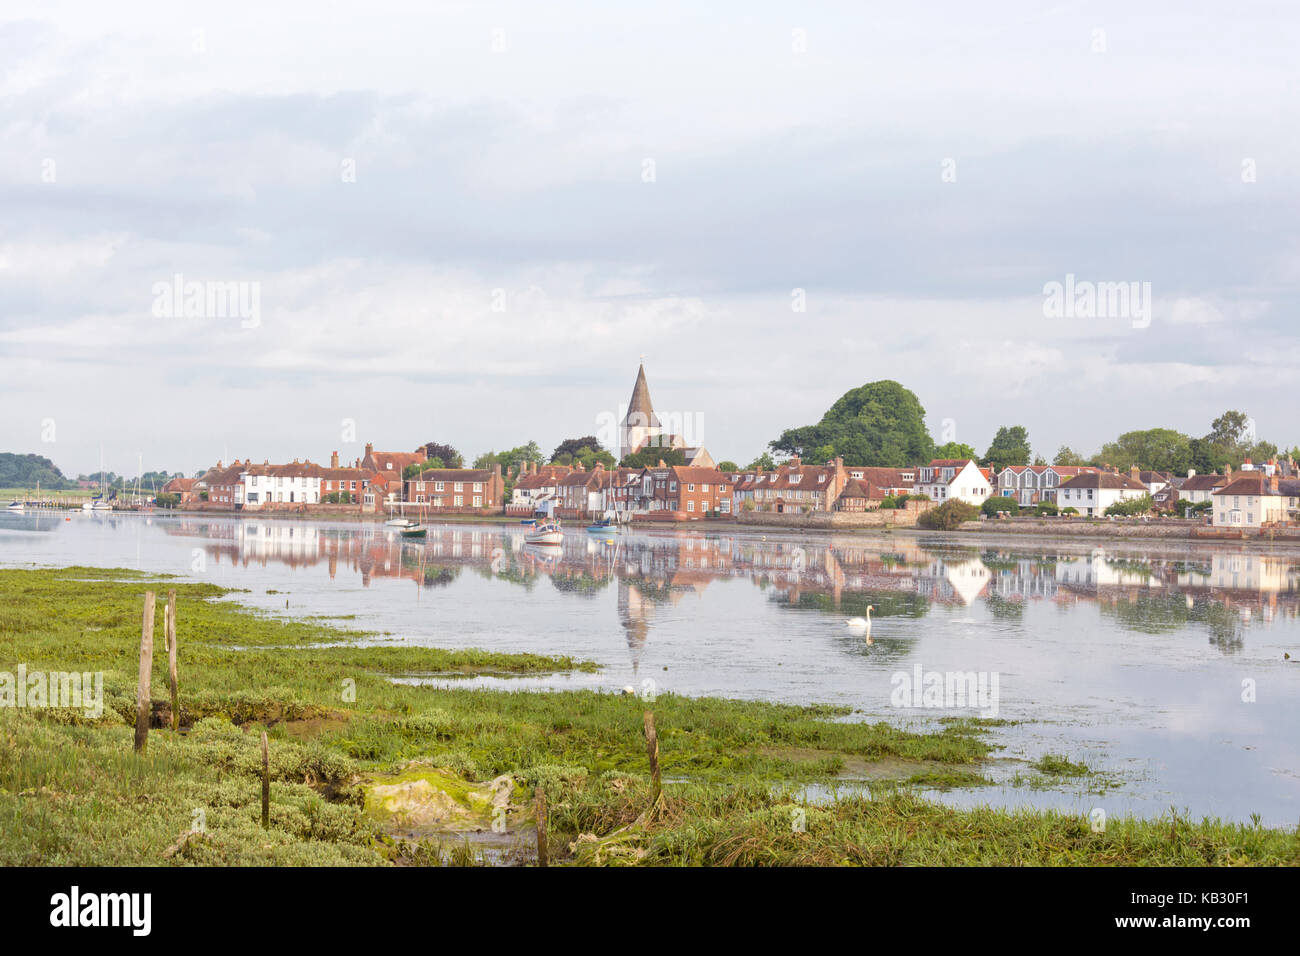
468 222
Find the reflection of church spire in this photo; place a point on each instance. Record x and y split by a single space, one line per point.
634 613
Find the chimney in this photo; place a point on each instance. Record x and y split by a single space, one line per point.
370 449
1134 472
334 459
496 469
794 461
1191 472
1273 483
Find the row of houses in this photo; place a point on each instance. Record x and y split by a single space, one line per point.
374 482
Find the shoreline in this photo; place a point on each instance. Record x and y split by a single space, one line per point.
1083 530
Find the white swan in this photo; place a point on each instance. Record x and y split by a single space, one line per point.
861 625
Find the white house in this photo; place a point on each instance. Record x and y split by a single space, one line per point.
1092 493
947 478
297 483
1254 499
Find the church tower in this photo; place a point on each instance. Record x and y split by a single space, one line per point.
640 424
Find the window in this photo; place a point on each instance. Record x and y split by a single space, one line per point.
438 486
691 486
458 501
690 505
478 501
460 486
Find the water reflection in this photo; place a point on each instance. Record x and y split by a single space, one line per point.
1222 592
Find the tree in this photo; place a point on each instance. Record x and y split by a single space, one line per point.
650 458
955 449
948 516
449 456
571 447
1131 506
877 424
1065 455
1010 447
511 458
763 462
24 471
728 467
1154 449
992 506
410 471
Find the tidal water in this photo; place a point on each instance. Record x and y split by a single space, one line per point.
1163 666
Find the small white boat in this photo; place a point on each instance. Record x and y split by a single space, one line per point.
101 505
548 533
16 507
399 523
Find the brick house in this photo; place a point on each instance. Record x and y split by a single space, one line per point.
223 484
796 487
388 462
464 490
182 488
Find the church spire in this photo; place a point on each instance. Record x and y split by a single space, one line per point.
640 405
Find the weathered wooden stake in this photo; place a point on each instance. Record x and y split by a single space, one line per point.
142 705
266 784
540 806
171 659
652 751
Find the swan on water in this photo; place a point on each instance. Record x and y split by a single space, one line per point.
861 625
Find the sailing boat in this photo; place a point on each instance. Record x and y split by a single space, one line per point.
99 504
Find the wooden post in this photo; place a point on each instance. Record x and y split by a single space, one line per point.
652 751
142 707
171 659
266 784
540 805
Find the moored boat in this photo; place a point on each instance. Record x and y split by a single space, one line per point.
414 531
15 507
548 533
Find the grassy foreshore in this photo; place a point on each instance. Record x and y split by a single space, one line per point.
73 792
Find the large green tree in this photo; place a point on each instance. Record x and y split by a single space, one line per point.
1010 447
878 424
1154 449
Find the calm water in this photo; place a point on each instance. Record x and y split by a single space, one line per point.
1133 659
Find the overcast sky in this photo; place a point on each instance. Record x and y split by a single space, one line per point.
500 261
